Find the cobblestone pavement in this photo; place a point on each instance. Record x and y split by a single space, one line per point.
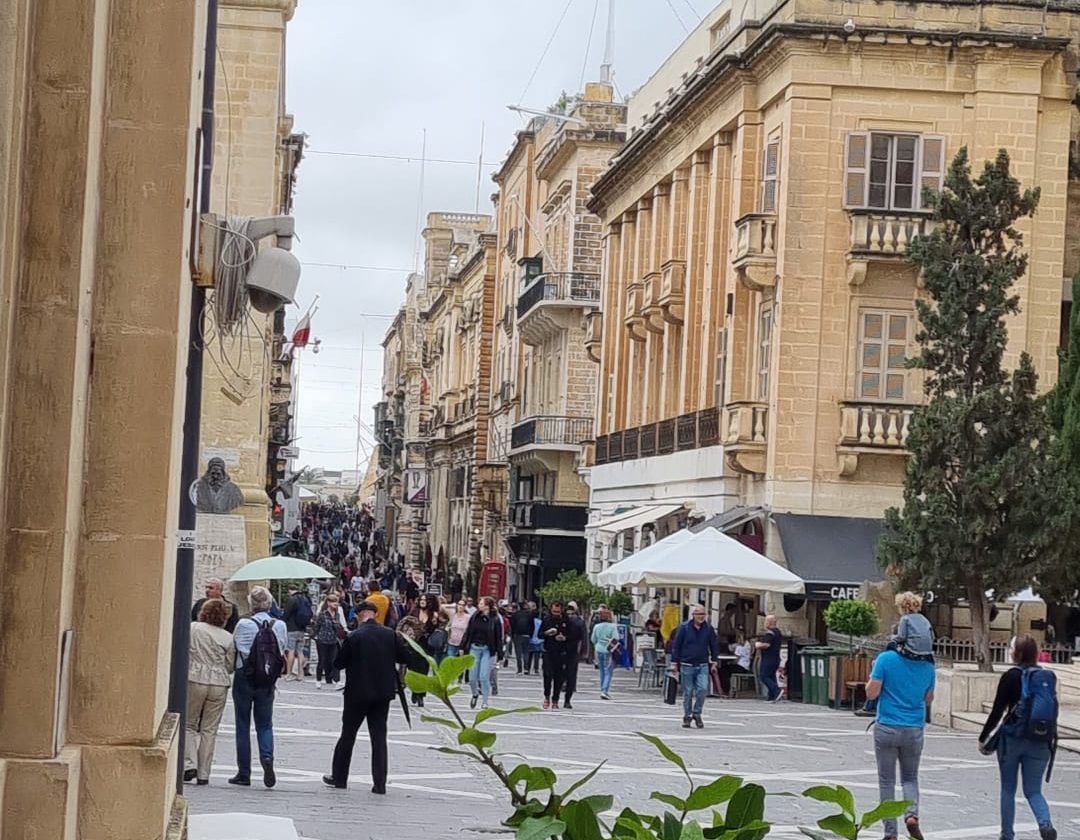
785 747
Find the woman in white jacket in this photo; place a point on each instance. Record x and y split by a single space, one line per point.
210 668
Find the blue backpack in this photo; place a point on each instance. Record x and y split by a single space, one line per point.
1036 715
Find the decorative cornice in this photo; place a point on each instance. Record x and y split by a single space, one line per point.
286 7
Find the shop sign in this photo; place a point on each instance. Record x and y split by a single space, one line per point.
832 591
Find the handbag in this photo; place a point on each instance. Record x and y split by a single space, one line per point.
671 688
340 631
438 640
614 645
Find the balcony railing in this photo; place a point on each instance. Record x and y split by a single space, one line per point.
746 436
755 250
875 425
881 235
535 515
566 432
695 430
565 287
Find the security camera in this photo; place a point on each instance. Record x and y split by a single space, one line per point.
272 280
849 27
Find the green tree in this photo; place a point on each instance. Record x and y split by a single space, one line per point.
573 586
984 496
619 603
852 618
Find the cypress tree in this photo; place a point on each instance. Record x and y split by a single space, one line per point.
984 495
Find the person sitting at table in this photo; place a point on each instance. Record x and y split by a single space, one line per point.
740 665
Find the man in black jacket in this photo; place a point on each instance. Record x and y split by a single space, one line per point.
369 657
521 628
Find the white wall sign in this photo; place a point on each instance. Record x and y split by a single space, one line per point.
230 456
220 545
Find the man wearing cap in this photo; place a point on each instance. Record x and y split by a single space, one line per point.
369 657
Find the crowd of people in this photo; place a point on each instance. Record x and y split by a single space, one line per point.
359 630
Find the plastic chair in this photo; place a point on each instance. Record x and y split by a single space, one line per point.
650 667
751 679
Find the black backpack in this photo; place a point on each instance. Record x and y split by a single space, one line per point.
264 662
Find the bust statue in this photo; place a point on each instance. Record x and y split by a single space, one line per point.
215 492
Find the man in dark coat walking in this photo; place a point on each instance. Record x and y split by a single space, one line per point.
369 657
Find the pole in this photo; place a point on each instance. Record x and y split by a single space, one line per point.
609 45
479 169
189 458
360 404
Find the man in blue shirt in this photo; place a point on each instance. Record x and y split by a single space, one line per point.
903 687
694 653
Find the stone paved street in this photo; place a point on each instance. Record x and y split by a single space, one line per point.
786 747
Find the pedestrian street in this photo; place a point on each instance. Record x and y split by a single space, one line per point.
785 747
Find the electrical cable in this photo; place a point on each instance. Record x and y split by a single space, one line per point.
547 47
235 257
678 17
693 9
400 158
350 267
588 45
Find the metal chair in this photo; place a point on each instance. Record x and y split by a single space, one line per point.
650 667
739 680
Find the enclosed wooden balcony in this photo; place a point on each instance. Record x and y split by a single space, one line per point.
673 290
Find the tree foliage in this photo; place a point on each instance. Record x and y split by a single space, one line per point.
984 498
573 586
619 602
852 618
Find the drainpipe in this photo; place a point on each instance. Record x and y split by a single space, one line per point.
189 459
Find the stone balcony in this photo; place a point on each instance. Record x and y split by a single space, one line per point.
594 334
872 428
881 236
553 302
673 290
745 438
754 257
635 317
654 315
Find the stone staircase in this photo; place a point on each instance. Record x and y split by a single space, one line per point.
1068 722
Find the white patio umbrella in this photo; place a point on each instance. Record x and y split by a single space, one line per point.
279 568
708 559
628 566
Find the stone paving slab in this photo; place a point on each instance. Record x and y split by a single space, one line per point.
785 747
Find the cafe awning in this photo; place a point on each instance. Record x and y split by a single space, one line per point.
834 554
635 518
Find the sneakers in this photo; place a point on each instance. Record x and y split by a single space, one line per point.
190 774
912 826
329 782
547 704
554 705
318 684
604 695
698 722
686 723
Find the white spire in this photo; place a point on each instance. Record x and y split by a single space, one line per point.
609 45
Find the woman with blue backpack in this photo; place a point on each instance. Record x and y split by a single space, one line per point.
1022 730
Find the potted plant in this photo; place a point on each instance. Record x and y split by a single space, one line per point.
851 618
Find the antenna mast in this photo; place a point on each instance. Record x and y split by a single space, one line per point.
609 45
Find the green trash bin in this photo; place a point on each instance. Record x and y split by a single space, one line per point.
815 674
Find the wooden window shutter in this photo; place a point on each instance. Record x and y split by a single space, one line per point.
932 168
856 167
770 176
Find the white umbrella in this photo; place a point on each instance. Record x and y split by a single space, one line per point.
628 566
712 560
279 568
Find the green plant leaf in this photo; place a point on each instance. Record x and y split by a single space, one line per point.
423 684
676 802
535 778
814 834
581 822
452 751
531 808
599 802
540 828
667 753
427 656
629 827
453 667
747 806
671 828
473 737
756 830
692 831
449 723
487 714
714 793
885 811
840 825
584 780
837 795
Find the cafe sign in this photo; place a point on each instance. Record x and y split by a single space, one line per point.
827 591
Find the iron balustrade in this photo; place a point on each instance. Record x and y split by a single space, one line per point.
551 431
562 287
534 514
665 436
686 431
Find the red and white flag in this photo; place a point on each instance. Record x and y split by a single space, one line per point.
302 333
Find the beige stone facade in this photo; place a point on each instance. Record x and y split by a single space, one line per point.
757 308
244 388
548 284
99 110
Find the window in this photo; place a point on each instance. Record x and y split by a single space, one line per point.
889 171
721 366
770 173
720 30
883 347
765 325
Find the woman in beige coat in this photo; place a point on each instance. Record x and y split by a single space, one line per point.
213 656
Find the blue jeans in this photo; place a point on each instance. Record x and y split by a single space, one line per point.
1028 759
695 685
903 745
245 695
767 675
480 675
607 669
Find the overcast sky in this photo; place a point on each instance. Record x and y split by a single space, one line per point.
368 78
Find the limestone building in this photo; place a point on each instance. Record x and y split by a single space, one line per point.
247 381
547 284
757 310
100 108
